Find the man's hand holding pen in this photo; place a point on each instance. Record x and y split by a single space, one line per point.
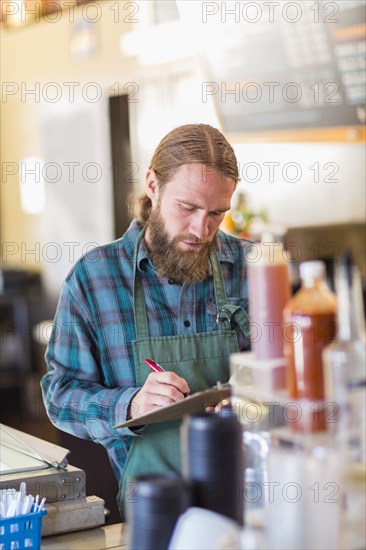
162 388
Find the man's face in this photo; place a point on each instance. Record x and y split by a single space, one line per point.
186 214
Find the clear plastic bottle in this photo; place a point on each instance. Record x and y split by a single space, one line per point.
310 325
345 363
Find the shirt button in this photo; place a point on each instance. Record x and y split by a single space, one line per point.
171 281
187 323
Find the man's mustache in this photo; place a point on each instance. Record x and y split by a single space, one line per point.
192 239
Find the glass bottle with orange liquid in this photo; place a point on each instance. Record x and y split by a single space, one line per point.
310 325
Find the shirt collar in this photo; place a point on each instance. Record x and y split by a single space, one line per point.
224 248
142 255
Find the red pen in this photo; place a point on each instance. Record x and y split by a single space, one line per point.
158 368
154 366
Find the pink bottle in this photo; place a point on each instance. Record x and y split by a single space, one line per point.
269 292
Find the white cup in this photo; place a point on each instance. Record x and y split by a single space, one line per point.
199 529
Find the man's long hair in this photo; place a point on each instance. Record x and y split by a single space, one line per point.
188 144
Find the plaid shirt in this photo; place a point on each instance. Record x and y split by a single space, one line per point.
91 374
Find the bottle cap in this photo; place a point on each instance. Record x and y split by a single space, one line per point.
312 270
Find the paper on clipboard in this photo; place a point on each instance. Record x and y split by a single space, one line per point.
195 404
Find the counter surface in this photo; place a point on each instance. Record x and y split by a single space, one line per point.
100 538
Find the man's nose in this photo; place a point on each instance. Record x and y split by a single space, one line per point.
200 226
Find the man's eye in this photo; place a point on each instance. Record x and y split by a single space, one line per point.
186 208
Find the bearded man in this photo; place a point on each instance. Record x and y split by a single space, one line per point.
173 289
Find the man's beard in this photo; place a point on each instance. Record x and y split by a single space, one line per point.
190 266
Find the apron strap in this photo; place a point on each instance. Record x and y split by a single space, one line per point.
229 310
219 287
139 308
226 311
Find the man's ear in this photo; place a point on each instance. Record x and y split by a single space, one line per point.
152 186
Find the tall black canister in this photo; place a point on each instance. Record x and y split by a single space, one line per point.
153 510
213 462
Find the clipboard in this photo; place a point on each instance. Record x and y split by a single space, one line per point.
195 404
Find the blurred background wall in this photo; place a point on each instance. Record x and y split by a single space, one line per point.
59 73
89 89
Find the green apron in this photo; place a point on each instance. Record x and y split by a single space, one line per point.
201 358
